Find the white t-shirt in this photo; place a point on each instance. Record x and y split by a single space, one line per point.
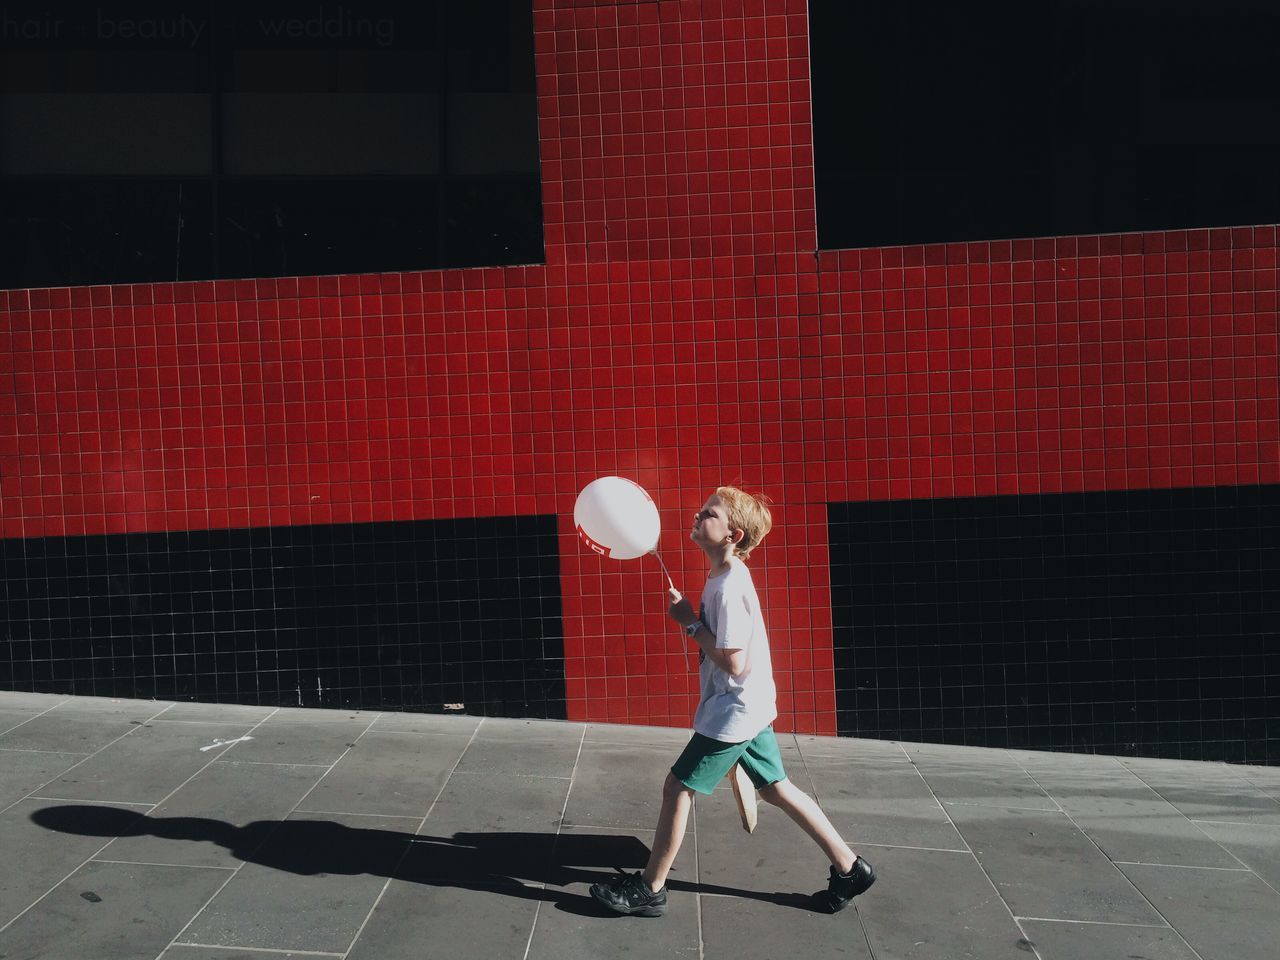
733 709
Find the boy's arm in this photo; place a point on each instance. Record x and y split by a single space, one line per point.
732 660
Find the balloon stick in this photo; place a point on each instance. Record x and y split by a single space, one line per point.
664 568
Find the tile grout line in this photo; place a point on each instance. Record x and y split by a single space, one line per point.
1128 879
36 717
422 822
537 910
1197 824
804 762
269 763
205 723
240 866
1100 923
1001 806
1227 823
697 874
425 733
111 803
152 863
309 811
995 889
88 756
490 773
55 753
271 951
904 846
1178 866
1265 787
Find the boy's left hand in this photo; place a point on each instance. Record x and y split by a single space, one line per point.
681 611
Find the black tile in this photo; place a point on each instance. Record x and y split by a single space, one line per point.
345 620
1138 622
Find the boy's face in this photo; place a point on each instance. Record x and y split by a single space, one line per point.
711 523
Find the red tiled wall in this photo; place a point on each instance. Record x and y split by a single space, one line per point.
683 332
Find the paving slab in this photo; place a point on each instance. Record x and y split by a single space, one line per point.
308 887
1254 845
1044 867
458 725
145 766
413 921
37 855
498 802
39 702
935 905
111 911
1104 941
619 784
313 717
733 929
1210 792
1263 776
1223 915
1128 820
181 951
14 716
672 738
538 730
1047 760
491 859
290 739
204 823
24 771
388 774
55 733
960 755
850 748
522 748
1135 832
573 927
215 713
104 708
990 784
877 803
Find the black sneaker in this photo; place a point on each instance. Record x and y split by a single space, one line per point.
629 894
842 888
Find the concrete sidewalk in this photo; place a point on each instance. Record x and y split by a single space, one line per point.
139 829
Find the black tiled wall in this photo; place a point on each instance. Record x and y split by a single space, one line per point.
1136 623
403 615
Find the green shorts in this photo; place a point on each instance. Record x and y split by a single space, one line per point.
705 762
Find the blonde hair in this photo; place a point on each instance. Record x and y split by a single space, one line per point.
748 513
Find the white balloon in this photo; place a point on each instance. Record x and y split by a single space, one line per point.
616 518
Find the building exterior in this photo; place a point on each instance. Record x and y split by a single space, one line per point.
1026 490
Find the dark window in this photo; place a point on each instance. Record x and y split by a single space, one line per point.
204 140
937 121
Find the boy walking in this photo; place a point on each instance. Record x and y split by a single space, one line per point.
734 719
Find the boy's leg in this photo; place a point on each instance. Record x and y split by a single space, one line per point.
701 765
677 799
850 874
762 760
645 894
801 808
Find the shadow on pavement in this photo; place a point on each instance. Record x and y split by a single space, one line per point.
506 863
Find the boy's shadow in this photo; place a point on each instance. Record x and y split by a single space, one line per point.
507 863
